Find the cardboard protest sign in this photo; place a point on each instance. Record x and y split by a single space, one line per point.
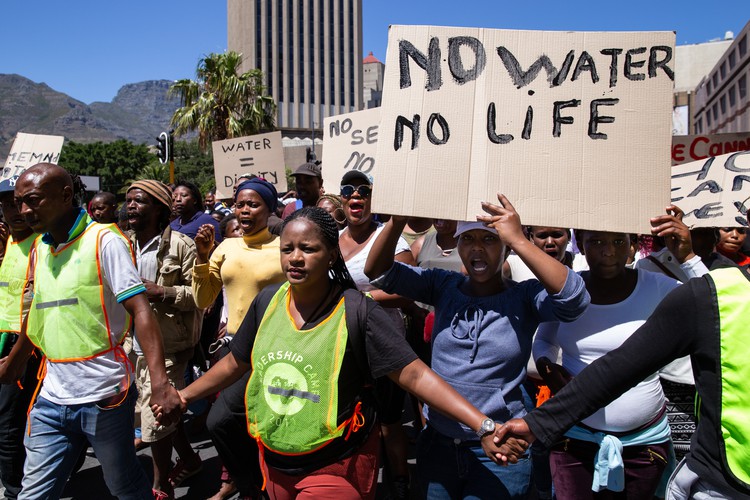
349 143
30 149
711 192
687 148
260 154
574 128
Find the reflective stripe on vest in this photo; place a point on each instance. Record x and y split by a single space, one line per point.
291 399
14 274
68 318
733 295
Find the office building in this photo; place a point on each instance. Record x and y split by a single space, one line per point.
310 52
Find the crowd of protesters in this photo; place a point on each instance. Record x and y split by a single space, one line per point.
545 362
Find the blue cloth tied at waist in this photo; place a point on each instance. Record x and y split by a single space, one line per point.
609 469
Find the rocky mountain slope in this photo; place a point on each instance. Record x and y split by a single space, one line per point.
138 113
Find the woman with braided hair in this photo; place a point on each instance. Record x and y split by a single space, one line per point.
313 345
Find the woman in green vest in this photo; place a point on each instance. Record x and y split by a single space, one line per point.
314 345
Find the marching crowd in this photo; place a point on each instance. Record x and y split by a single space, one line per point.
543 361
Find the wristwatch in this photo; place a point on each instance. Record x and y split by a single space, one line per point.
488 425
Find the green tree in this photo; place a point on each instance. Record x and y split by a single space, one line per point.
222 102
116 163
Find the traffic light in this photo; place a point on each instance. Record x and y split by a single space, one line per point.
162 147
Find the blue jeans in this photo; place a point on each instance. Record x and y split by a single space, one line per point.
58 435
449 470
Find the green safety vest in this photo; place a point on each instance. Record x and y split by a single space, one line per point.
733 296
68 319
14 274
291 398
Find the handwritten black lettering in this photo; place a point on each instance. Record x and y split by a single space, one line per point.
413 125
558 120
710 186
456 64
731 165
526 132
522 78
491 134
585 63
630 64
702 173
613 53
429 63
446 133
655 63
595 119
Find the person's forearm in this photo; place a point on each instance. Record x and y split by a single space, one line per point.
206 286
14 365
550 272
150 340
223 374
381 256
420 380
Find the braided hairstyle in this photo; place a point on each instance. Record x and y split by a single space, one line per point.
330 233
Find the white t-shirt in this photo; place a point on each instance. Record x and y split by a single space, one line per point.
356 263
94 379
600 329
519 271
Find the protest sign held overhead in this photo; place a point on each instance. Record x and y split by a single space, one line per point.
711 192
574 128
30 149
349 143
260 154
687 148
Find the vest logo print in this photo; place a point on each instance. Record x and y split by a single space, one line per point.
289 387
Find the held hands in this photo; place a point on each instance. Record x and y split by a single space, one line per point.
502 448
204 242
676 234
510 441
504 219
167 405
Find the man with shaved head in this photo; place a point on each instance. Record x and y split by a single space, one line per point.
86 291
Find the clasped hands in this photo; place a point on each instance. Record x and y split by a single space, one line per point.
509 442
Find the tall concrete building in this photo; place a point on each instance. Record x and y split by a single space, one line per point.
310 52
722 101
372 85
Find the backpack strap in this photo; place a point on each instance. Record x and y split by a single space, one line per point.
355 304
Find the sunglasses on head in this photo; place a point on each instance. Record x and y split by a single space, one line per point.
348 190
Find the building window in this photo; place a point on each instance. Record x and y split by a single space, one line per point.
732 60
699 126
715 112
708 118
732 97
708 87
723 104
743 46
723 70
742 86
715 80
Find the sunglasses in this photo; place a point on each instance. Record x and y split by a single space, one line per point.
348 190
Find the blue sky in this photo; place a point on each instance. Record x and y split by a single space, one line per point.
89 49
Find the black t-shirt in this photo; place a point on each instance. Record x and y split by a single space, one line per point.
686 322
385 351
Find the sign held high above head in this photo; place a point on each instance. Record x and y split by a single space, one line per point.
349 143
261 155
574 128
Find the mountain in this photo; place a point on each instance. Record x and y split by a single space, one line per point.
138 113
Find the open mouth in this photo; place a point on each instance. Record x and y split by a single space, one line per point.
479 266
356 207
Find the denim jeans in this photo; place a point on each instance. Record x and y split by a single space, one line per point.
447 469
57 436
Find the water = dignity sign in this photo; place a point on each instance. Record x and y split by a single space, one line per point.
575 128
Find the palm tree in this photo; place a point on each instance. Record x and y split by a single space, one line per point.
222 103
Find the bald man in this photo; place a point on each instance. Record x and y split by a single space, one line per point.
86 290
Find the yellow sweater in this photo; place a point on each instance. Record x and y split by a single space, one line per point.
244 266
